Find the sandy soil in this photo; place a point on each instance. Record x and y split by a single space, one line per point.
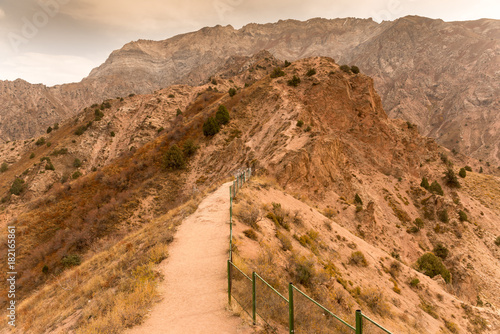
194 290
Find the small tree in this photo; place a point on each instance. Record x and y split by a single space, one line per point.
179 112
189 148
49 129
468 168
222 115
424 184
441 251
77 163
17 186
451 178
462 173
287 63
232 92
355 69
311 72
345 68
4 167
462 216
174 158
210 127
277 72
358 200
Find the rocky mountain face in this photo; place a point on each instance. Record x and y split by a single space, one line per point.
317 144
441 76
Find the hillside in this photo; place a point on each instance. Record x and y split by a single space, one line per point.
439 75
314 143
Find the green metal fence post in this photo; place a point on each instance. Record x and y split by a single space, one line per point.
291 321
229 282
254 298
230 226
359 322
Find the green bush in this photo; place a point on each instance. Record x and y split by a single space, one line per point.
300 123
232 92
443 216
174 158
4 167
287 63
210 127
294 81
222 115
462 173
451 179
424 184
462 216
76 175
49 129
436 188
179 112
56 126
277 72
98 115
468 168
77 163
251 234
17 187
40 141
189 148
112 134
357 199
414 282
304 271
497 241
171 96
346 68
441 251
80 130
358 258
431 265
481 169
355 69
311 72
32 155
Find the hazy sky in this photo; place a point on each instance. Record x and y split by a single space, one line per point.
60 41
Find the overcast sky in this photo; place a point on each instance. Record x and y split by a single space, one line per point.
60 41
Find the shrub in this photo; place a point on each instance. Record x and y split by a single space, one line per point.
77 163
222 115
171 96
278 215
49 129
56 126
451 178
286 243
481 169
497 241
311 72
436 188
462 173
210 127
441 251
462 216
443 216
300 123
98 115
32 155
112 134
71 260
424 184
174 159
40 141
76 175
251 234
357 199
345 68
189 148
294 81
287 63
468 168
277 72
414 282
4 167
49 166
445 160
304 271
375 300
179 112
419 223
59 152
431 265
80 130
358 258
17 187
355 69
452 327
232 92
45 269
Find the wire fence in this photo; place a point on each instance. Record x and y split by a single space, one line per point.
294 310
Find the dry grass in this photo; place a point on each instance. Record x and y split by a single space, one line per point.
111 291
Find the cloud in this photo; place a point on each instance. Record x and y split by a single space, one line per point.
46 68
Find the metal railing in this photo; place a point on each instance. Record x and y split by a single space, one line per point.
273 307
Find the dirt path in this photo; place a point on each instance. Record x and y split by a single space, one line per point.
195 287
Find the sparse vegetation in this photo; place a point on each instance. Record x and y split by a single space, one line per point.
49 129
468 168
346 68
358 200
287 63
462 216
451 179
232 92
251 234
441 251
311 72
4 167
425 184
354 69
414 282
189 148
40 141
497 241
76 175
300 123
71 260
77 163
462 173
443 215
436 188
